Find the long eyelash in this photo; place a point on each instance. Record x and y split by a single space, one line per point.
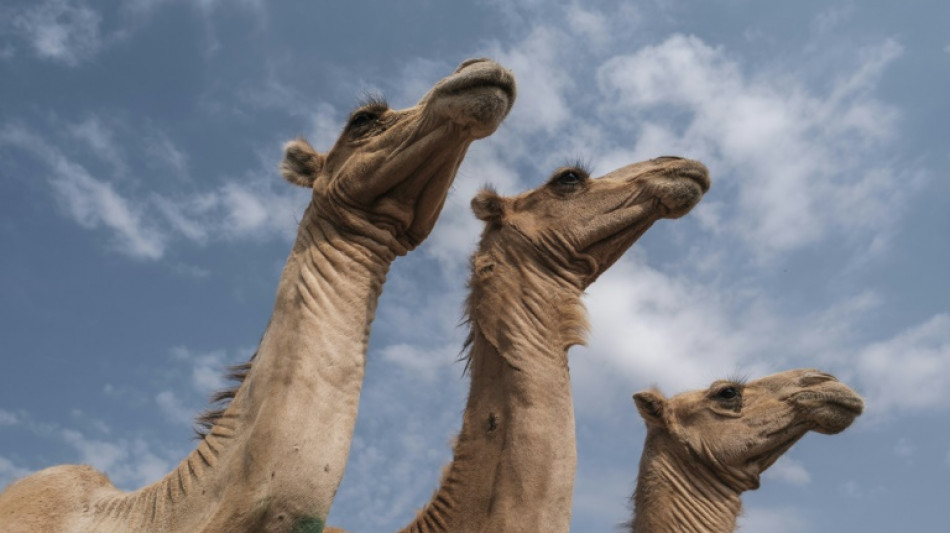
373 101
584 165
737 379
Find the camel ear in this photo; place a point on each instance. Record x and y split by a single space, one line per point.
302 164
652 407
488 205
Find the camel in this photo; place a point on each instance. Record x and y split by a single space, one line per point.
514 459
271 458
705 448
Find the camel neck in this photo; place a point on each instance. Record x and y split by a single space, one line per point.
677 494
515 457
276 455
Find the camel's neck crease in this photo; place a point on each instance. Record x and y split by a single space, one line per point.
676 494
514 460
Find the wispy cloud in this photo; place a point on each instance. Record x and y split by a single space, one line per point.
173 409
793 154
537 60
774 520
908 371
65 31
10 472
100 138
91 202
163 150
8 418
425 364
788 470
94 203
206 369
130 463
144 226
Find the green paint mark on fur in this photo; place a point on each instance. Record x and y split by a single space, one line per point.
308 524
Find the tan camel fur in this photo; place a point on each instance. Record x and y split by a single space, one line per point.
704 448
514 460
272 458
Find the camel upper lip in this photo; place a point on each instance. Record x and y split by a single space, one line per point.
848 403
490 75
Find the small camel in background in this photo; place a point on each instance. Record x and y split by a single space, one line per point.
705 448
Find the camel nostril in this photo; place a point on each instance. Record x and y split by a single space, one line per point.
815 377
472 61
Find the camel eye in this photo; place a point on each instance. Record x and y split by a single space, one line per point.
569 180
362 119
569 177
727 393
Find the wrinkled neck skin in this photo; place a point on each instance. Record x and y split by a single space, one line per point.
514 460
273 462
677 494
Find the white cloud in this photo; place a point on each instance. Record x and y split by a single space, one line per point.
8 418
160 148
66 31
788 470
206 368
857 491
537 63
10 472
831 19
91 202
173 410
100 138
774 520
94 203
909 371
238 210
680 334
129 463
424 364
592 26
798 158
144 227
904 448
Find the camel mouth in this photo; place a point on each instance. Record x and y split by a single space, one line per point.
695 172
477 97
830 412
678 185
476 74
848 403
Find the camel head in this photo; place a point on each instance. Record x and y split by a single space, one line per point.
740 429
579 226
389 172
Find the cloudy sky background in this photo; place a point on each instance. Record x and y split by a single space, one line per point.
143 227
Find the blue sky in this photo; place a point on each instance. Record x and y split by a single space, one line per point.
144 225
